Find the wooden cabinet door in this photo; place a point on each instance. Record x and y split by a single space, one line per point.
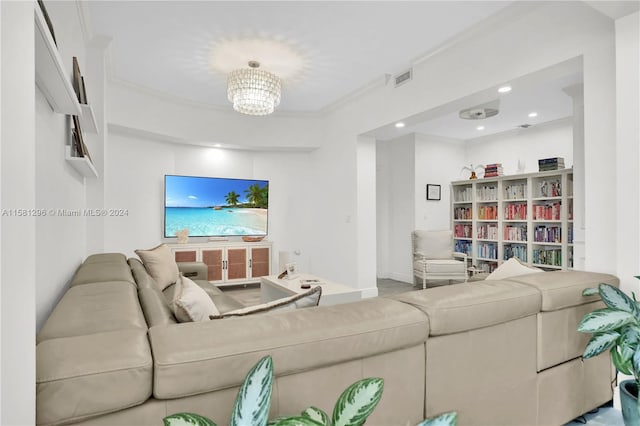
260 263
185 255
237 263
213 258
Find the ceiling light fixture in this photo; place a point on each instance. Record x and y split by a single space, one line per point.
253 91
399 124
533 114
480 127
504 89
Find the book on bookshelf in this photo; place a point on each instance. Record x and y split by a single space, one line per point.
554 163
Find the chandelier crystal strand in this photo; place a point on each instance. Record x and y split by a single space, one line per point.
253 91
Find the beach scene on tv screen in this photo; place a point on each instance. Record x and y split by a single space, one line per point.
215 206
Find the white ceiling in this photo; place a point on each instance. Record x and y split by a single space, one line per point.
166 45
324 51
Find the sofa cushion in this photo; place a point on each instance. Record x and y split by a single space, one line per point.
563 289
160 264
94 308
82 376
191 303
103 267
224 303
297 340
303 300
462 307
440 266
511 268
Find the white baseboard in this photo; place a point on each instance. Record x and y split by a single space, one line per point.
401 277
365 293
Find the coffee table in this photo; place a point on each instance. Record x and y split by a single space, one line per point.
272 288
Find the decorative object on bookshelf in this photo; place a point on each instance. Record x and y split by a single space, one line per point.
472 169
433 192
553 163
47 20
183 236
252 239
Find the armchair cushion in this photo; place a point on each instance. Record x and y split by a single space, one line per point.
439 266
433 244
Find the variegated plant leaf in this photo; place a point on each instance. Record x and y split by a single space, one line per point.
616 299
317 415
296 421
357 402
590 292
636 361
621 366
599 343
187 419
604 320
446 419
254 397
630 334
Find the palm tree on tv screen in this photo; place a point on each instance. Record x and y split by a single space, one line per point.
258 197
232 198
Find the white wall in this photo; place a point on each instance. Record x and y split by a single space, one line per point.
529 145
396 180
437 161
135 182
628 150
61 240
18 191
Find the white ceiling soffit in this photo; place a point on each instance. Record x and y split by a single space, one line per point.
166 46
615 9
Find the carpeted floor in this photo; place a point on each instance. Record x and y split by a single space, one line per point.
606 416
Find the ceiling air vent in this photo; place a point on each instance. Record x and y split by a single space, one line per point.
524 126
403 78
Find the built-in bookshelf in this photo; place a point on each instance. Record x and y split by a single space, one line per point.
528 216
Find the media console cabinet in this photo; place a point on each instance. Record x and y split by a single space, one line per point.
228 262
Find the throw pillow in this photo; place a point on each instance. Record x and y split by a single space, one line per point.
303 300
160 264
511 268
191 303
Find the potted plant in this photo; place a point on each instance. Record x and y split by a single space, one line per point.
617 328
251 407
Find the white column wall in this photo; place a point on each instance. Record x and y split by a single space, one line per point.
18 190
628 150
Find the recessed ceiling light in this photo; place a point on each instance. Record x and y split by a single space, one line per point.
217 145
504 89
533 114
480 127
399 124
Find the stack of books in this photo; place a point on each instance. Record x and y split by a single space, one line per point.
554 163
493 170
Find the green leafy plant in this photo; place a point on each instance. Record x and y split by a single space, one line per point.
615 328
251 407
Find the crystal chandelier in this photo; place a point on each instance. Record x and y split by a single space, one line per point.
253 91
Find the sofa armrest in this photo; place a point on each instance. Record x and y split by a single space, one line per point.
193 270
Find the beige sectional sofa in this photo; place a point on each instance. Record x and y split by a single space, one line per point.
498 352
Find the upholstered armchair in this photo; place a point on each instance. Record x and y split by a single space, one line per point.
434 258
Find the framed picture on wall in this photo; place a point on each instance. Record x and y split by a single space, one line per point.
433 192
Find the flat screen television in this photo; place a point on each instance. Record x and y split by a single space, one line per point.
215 207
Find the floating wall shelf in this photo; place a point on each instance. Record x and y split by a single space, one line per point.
88 119
83 165
51 76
